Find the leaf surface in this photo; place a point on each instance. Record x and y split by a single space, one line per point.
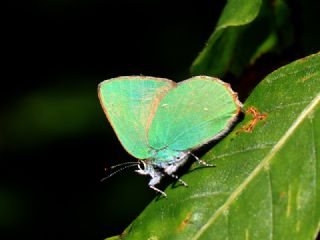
245 31
265 184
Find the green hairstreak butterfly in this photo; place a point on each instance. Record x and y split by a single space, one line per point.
160 122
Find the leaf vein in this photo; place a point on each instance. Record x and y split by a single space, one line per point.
255 147
276 76
260 166
287 105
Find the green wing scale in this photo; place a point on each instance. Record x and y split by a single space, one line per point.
129 104
198 110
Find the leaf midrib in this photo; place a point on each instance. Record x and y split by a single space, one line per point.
263 164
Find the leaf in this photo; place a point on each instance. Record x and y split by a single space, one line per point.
245 31
265 184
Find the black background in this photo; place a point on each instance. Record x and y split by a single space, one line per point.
55 141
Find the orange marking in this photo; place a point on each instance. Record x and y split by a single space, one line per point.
184 222
256 118
283 194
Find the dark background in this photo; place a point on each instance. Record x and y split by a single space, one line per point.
55 141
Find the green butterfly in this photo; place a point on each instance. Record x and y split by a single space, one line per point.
160 122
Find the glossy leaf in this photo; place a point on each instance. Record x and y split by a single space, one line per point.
245 31
265 183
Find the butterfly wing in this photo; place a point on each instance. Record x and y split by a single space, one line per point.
129 104
198 110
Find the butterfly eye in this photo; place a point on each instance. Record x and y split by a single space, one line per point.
142 165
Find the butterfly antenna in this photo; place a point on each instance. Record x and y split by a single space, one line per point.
119 170
121 164
201 161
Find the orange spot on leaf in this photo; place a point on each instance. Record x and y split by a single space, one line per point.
256 118
185 221
283 195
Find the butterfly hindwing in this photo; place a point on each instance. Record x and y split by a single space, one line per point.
130 103
196 111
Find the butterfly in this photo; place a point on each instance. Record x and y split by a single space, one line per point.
161 122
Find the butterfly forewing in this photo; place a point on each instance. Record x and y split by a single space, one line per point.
196 111
130 103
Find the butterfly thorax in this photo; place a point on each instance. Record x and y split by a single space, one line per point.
168 160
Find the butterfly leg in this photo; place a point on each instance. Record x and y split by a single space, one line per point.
155 176
158 190
201 161
170 169
155 180
178 179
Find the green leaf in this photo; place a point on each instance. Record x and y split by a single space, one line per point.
114 238
265 184
245 31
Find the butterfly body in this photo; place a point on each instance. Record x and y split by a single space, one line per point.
167 156
164 162
161 122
